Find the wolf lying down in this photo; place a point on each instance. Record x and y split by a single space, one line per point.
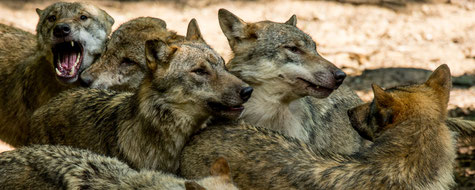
185 84
61 167
272 57
412 147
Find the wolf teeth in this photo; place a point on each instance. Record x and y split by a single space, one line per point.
72 71
72 43
75 64
57 71
77 59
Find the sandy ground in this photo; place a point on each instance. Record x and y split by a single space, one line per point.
354 37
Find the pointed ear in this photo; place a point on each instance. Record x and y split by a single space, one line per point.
191 185
39 11
358 119
232 26
382 98
110 20
157 54
193 32
441 80
221 168
292 21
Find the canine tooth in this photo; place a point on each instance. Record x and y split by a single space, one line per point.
72 71
57 71
77 59
317 87
72 43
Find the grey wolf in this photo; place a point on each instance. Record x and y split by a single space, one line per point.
412 147
185 85
62 167
122 64
296 91
70 36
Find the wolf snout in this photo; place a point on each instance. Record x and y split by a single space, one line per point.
61 30
339 77
245 93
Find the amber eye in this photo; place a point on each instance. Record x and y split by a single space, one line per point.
83 17
52 18
200 71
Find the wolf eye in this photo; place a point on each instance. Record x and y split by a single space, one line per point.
83 17
293 49
200 71
52 18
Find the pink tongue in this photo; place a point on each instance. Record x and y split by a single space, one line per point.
68 60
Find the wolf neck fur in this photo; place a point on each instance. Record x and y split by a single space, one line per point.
158 127
267 108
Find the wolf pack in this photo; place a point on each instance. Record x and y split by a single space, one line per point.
143 107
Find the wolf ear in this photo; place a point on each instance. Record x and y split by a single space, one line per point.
158 53
382 98
221 168
39 11
191 185
232 26
110 20
292 21
441 80
358 119
193 32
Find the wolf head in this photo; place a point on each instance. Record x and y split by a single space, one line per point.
394 105
72 35
193 74
122 64
278 55
220 178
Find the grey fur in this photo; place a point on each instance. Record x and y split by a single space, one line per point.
27 76
62 167
122 65
148 128
413 150
264 59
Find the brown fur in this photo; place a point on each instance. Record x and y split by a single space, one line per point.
61 167
186 83
27 76
412 149
15 44
122 65
274 58
280 61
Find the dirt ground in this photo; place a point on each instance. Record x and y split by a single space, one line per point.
361 39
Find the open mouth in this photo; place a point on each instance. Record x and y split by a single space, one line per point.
224 110
315 87
68 57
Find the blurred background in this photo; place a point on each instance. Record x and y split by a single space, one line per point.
387 42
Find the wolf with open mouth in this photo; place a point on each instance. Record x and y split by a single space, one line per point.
70 36
74 36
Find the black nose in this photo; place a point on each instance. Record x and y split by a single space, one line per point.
61 30
339 76
246 93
